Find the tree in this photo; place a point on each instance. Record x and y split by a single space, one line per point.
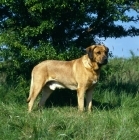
31 31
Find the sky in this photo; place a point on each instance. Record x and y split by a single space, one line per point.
121 47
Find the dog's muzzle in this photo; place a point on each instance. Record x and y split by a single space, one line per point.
104 60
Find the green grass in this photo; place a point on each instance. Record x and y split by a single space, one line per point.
115 114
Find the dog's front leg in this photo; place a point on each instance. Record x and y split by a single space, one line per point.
89 99
80 96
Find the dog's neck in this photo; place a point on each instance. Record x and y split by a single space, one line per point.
90 64
94 65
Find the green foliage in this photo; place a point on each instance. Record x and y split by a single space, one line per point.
31 31
121 73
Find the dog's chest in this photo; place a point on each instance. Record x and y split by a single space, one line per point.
94 80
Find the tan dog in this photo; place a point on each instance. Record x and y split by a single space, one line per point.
79 74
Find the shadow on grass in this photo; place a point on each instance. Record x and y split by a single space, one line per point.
69 98
61 98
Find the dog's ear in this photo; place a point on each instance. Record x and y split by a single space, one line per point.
90 50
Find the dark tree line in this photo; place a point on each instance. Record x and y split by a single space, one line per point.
34 30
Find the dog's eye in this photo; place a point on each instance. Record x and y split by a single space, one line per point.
99 52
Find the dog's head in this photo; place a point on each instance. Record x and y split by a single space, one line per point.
98 54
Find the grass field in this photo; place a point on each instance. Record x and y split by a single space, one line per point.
115 114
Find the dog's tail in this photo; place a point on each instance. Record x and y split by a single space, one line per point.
31 89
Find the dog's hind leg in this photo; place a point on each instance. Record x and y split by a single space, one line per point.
46 91
35 91
37 82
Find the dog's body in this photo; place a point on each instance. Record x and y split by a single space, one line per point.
79 74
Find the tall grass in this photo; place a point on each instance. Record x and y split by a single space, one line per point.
115 114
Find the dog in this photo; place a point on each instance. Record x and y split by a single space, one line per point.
80 74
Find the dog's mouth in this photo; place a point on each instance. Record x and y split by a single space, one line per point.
103 62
